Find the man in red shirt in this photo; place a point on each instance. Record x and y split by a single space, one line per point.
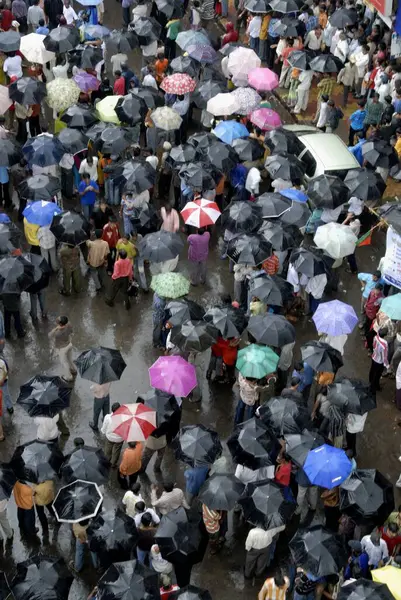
231 34
392 538
111 235
119 84
6 18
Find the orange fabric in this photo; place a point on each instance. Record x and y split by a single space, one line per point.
132 460
160 69
23 495
220 186
104 162
226 350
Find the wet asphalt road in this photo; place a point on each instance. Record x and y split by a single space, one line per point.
96 324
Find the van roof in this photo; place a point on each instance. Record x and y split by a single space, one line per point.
330 150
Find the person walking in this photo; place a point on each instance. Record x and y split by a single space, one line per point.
47 245
111 235
198 252
101 403
154 445
43 496
146 538
170 218
12 309
23 496
260 546
130 465
61 336
170 499
121 279
70 264
87 189
81 543
275 588
114 442
5 392
195 477
379 359
97 259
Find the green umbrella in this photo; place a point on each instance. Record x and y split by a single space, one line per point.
391 306
256 361
170 285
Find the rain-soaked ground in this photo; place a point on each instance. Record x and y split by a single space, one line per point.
96 324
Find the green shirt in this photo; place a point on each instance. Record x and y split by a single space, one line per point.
374 111
173 29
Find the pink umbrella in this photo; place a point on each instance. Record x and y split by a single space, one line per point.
174 375
86 82
200 213
265 118
263 80
178 83
134 422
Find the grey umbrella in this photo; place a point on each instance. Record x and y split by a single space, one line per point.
9 41
160 246
221 492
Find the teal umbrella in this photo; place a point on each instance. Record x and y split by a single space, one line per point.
391 306
256 361
170 285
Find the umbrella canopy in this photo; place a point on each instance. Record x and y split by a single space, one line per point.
106 109
5 590
197 445
321 356
248 149
40 187
266 119
271 289
160 246
262 79
221 492
256 361
200 176
207 90
242 217
73 140
367 496
252 445
77 501
130 109
147 29
27 90
222 104
70 228
327 466
178 83
62 39
184 64
265 504
87 464
135 175
44 396
16 274
200 213
41 272
101 365
62 93
273 205
335 239
10 238
174 375
79 116
150 96
133 422
203 53
391 306
298 214
318 551
228 131
325 63
113 140
286 27
281 238
353 395
298 445
122 41
170 285
44 576
300 59
284 166
272 330
86 82
230 321
7 481
283 415
166 118
391 577
283 141
43 150
250 249
172 9
191 592
181 154
201 141
221 156
9 41
248 99
184 310
240 63
128 580
335 318
365 589
284 6
36 461
112 532
310 261
166 408
180 537
90 57
379 153
10 153
192 38
344 17
365 184
194 336
257 6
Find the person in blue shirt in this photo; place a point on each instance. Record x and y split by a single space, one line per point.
305 374
358 563
368 281
356 121
87 191
357 149
42 29
194 479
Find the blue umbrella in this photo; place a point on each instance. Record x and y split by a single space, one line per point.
228 131
89 2
203 53
295 195
41 212
4 218
327 466
95 32
191 38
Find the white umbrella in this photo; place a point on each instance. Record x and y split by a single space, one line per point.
240 62
5 101
166 118
222 104
335 239
32 48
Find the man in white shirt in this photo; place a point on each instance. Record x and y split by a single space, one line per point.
253 31
361 62
47 428
171 498
13 66
117 60
140 509
305 82
314 40
131 498
89 165
323 112
114 442
341 49
35 14
101 402
149 78
152 159
260 546
69 13
376 549
354 424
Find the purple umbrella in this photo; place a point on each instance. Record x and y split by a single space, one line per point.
335 318
174 375
86 82
203 53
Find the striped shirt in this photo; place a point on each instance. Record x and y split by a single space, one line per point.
380 351
325 86
271 265
271 591
211 519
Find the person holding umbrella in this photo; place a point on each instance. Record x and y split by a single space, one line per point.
81 543
70 264
23 496
61 336
260 546
87 189
198 251
215 523
43 495
130 465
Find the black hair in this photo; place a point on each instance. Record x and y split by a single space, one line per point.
115 406
98 234
146 519
78 442
122 253
63 320
140 506
168 486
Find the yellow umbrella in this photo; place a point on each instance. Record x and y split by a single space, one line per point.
391 576
105 109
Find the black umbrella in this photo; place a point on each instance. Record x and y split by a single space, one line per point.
130 109
221 156
10 153
137 176
45 577
230 321
273 205
365 589
73 140
242 217
326 63
206 91
184 310
77 501
62 39
318 551
128 580
166 407
16 274
70 228
27 90
101 365
147 29
86 463
367 496
365 184
250 249
113 140
286 27
327 191
200 176
172 9
197 445
284 6
265 504
151 97
180 537
191 592
122 41
95 130
285 166
310 261
353 395
112 534
283 141
44 396
271 289
343 17
182 154
39 187
4 586
160 246
298 445
90 57
184 64
300 59
321 356
298 214
9 41
248 149
7 481
271 330
391 213
221 491
36 461
10 237
194 336
201 140
146 219
379 153
284 415
281 238
253 445
78 116
43 150
257 6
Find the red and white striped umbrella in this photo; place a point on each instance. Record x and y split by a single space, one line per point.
134 422
200 213
178 83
